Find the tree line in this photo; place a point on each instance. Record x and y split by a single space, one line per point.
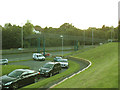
11 35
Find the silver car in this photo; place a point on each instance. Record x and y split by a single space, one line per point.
3 61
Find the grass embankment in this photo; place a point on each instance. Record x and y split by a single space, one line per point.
104 70
72 68
8 68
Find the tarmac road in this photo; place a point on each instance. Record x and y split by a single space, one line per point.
25 56
34 65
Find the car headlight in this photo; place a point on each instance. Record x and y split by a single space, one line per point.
47 71
8 83
39 69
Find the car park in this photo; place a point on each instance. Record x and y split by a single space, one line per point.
50 68
3 61
19 78
38 56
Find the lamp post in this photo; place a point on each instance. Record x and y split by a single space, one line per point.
112 30
92 37
61 36
38 48
84 38
22 36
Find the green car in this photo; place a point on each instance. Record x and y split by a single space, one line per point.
50 68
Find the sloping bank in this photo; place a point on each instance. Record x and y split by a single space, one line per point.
102 74
76 65
86 65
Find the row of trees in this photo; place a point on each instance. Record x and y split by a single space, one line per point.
11 35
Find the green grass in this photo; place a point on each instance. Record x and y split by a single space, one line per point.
104 70
20 60
46 81
79 51
8 68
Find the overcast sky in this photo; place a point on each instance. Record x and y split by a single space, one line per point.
53 13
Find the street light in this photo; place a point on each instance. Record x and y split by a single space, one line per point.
92 37
22 36
84 38
112 30
61 36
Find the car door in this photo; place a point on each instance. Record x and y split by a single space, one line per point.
24 80
55 68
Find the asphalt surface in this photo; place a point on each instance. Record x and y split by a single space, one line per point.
34 65
25 56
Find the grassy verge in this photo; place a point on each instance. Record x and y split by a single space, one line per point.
104 70
48 58
8 68
19 60
79 51
46 81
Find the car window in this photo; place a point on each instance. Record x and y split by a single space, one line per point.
40 55
48 66
58 57
4 60
15 74
26 74
56 66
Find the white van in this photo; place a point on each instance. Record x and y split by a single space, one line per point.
38 56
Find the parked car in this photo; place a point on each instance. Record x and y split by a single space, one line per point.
50 68
57 59
38 56
64 63
19 78
3 61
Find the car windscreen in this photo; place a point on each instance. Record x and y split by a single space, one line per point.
4 60
39 55
48 66
58 58
15 74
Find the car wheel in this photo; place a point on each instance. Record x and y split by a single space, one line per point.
50 75
58 71
15 86
36 79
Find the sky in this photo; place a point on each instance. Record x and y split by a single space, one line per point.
53 13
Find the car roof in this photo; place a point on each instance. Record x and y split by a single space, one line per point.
24 70
52 62
58 57
37 53
3 59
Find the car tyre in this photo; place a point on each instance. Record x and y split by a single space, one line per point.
15 86
58 71
36 79
50 75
